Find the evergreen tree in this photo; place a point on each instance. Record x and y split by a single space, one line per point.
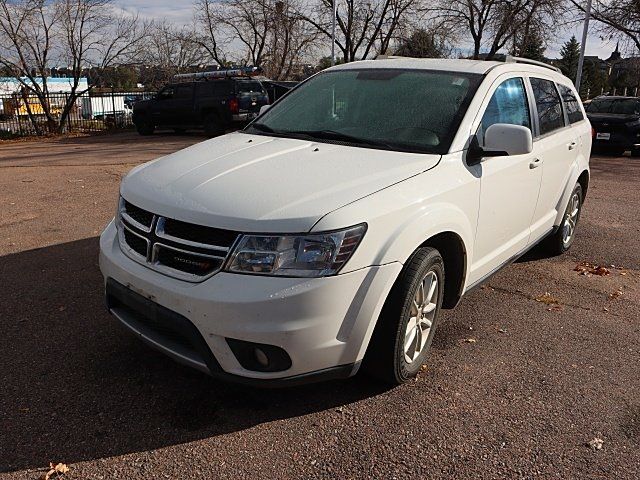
422 44
569 56
530 45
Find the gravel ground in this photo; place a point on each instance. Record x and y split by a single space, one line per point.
515 387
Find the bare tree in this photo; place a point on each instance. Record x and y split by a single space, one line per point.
209 35
365 27
617 17
492 24
26 41
77 33
171 47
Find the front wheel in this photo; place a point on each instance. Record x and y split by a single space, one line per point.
144 128
407 323
563 238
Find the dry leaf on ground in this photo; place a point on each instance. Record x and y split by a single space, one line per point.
58 470
616 294
547 298
587 268
595 444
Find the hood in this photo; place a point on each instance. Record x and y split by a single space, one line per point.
255 183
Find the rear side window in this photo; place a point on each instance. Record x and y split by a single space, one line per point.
571 103
507 105
182 91
548 103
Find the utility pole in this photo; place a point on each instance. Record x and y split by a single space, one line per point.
333 32
585 31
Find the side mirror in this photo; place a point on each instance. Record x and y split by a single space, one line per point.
264 108
501 140
512 139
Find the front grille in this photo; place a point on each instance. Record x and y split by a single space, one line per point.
192 263
135 242
139 215
179 249
198 233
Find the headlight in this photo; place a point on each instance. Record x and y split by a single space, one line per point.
310 255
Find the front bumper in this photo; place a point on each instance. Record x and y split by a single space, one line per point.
323 324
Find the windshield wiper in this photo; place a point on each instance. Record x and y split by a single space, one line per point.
262 127
333 135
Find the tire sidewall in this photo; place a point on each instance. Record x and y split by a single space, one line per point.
404 371
577 189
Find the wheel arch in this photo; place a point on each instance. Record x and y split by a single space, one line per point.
454 254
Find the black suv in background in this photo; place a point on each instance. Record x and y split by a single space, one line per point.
616 124
210 103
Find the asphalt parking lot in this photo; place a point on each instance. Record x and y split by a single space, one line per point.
523 375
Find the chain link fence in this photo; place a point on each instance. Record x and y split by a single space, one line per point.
23 115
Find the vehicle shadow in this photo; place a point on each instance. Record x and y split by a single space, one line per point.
76 386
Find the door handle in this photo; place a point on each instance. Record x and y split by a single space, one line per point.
572 145
535 163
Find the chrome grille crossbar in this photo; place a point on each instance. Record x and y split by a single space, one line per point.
186 259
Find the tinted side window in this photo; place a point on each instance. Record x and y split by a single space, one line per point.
548 103
507 105
571 103
183 91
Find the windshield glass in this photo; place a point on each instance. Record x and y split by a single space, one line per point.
620 106
406 110
248 86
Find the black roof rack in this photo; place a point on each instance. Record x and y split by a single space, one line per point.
203 76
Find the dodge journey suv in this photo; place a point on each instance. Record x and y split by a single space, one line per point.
327 235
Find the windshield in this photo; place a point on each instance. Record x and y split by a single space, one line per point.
406 110
249 86
620 106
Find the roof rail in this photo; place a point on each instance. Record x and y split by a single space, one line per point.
232 72
512 59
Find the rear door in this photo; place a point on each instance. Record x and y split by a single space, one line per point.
509 185
251 96
175 105
556 146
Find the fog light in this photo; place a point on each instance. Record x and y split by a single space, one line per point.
261 357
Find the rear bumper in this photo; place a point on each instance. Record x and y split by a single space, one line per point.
617 140
323 324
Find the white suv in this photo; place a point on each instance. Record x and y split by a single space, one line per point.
329 233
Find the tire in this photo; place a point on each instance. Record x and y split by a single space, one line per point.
213 126
635 152
558 242
387 357
145 129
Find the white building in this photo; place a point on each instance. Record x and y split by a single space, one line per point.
9 85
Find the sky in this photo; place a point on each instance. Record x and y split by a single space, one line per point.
181 11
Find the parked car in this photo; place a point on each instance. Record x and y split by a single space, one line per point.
210 103
328 234
616 124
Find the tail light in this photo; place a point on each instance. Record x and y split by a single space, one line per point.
234 107
593 132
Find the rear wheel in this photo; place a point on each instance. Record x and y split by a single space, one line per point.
563 238
635 152
145 128
407 323
213 126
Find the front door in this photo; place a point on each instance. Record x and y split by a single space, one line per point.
174 106
509 185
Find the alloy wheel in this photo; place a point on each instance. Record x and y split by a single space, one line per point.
423 311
